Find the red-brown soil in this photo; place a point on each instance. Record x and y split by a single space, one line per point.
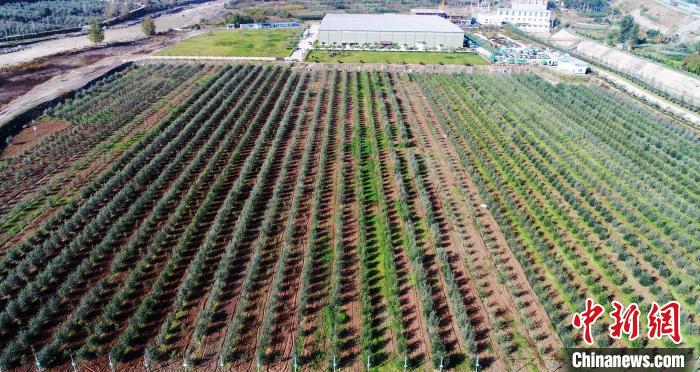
483 258
32 135
19 79
475 246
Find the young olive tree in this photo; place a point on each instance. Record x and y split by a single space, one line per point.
148 26
95 33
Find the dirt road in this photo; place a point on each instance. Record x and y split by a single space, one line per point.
31 84
181 19
57 87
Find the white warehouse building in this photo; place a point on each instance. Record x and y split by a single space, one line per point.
409 30
528 15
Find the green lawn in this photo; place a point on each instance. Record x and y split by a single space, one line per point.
238 43
429 58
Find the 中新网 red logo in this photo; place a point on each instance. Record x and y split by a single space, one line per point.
661 321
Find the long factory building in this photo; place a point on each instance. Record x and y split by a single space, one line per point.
401 29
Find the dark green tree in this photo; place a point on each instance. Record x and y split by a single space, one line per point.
629 31
692 63
633 37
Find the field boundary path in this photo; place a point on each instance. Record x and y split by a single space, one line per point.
349 67
210 58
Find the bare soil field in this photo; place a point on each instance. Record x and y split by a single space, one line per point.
19 79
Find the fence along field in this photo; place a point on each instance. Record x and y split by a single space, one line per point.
247 215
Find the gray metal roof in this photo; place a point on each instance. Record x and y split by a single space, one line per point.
387 22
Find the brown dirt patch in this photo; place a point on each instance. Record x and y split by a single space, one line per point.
31 136
20 79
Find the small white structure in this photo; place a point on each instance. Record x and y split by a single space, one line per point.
528 15
571 66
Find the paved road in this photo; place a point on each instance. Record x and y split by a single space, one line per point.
181 19
306 43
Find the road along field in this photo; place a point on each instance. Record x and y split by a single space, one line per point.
253 214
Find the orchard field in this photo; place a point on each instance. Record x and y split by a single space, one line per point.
252 214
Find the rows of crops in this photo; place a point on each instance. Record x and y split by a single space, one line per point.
603 190
274 216
105 121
